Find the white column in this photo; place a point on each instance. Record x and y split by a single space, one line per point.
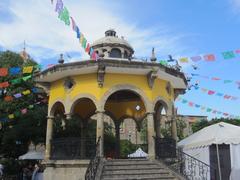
49 137
100 131
151 135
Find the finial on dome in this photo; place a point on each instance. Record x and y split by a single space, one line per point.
61 60
153 58
24 53
110 32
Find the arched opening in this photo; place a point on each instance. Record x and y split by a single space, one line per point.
162 124
125 108
75 137
115 53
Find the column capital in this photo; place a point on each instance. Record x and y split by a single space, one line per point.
50 117
68 115
99 111
150 113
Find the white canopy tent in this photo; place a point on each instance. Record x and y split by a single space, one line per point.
139 153
32 155
197 145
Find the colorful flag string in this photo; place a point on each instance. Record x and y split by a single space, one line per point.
210 57
21 111
14 81
213 78
10 98
64 15
207 109
212 92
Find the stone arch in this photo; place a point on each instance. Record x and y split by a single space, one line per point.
167 104
134 89
162 120
54 107
75 100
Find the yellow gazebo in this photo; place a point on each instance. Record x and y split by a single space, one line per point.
118 86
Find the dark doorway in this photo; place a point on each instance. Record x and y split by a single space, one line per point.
225 160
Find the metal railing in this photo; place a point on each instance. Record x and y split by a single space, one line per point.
73 148
93 165
182 163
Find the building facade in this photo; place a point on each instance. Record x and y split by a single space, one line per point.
82 94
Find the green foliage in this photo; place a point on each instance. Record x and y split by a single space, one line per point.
181 125
204 123
126 148
17 133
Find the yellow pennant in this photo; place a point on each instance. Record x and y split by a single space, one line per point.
183 60
11 116
26 92
27 69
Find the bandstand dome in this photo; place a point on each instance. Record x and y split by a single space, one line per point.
113 46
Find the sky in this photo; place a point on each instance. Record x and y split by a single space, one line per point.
180 28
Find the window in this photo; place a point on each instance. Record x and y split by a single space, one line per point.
115 53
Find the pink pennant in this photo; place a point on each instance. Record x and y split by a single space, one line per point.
73 24
209 57
216 79
210 92
24 111
225 114
214 111
191 104
237 51
227 97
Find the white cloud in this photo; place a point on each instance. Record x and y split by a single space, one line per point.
235 4
37 23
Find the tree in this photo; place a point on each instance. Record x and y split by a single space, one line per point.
204 123
17 133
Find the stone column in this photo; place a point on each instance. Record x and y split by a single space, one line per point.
174 127
117 132
49 137
174 123
68 116
157 123
151 134
100 131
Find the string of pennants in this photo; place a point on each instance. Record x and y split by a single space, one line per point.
225 81
212 92
10 98
210 57
21 111
63 15
14 81
17 70
207 109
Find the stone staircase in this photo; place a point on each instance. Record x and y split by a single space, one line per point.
136 169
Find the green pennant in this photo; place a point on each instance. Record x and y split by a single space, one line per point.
228 81
228 55
64 16
30 106
163 62
25 78
209 109
17 114
16 81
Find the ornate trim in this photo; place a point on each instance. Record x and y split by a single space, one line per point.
151 76
101 74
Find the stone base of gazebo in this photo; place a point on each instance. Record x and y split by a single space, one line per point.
65 169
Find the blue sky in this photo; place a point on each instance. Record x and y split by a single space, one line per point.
179 28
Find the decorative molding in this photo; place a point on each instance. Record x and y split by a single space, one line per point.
178 92
168 88
151 76
101 74
69 83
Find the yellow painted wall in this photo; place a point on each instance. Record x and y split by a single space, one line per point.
88 84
